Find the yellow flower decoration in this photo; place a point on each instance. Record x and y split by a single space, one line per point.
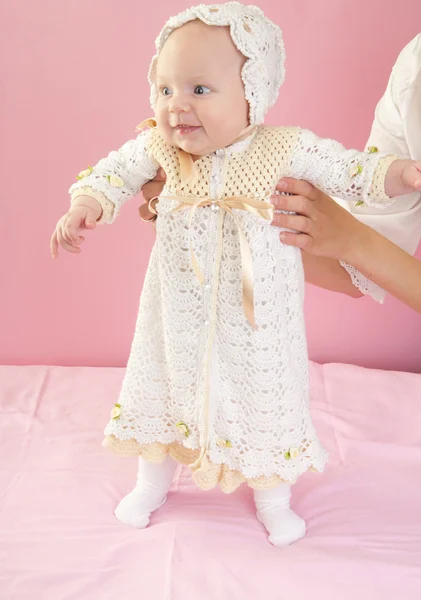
115 181
292 453
359 203
116 412
356 170
372 149
223 443
84 173
183 428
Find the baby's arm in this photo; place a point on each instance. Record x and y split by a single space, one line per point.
352 175
118 177
347 174
101 190
370 177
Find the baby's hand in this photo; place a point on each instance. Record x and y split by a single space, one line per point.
403 177
411 174
83 214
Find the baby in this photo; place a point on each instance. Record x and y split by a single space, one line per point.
218 372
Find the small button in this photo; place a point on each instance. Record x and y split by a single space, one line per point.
214 206
207 286
206 322
219 153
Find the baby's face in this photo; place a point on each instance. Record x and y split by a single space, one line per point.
201 104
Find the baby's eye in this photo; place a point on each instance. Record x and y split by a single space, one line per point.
201 89
165 91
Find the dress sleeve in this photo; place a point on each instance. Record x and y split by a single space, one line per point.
349 174
118 177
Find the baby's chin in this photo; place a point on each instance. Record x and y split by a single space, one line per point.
196 143
196 147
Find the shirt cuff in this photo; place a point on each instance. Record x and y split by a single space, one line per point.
366 287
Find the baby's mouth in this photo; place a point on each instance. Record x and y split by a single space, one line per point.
186 129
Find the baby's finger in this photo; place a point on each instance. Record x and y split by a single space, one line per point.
65 245
70 232
413 177
54 245
64 226
90 222
417 175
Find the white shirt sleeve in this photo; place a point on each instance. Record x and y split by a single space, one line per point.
118 177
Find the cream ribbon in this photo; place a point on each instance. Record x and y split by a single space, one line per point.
257 208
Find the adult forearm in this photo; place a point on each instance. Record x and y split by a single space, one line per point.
393 269
327 273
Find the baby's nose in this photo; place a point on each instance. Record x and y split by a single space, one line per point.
178 104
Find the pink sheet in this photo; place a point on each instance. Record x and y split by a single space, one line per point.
58 488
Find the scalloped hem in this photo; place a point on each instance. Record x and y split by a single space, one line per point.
206 475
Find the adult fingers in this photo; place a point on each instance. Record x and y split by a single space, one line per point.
151 189
297 204
298 187
296 222
299 240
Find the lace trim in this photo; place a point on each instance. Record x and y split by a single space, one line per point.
206 474
377 196
366 287
107 206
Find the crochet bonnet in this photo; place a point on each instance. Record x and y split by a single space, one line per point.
254 35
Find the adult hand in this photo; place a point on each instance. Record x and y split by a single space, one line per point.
153 188
323 227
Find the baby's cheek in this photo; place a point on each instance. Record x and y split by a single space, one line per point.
164 129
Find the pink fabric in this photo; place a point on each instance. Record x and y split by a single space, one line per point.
74 79
59 539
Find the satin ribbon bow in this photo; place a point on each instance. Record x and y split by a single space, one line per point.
255 207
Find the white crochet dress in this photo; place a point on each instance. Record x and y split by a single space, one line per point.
201 383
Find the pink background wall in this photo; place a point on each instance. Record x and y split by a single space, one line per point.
74 83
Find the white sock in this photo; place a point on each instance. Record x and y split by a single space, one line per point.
153 482
273 511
